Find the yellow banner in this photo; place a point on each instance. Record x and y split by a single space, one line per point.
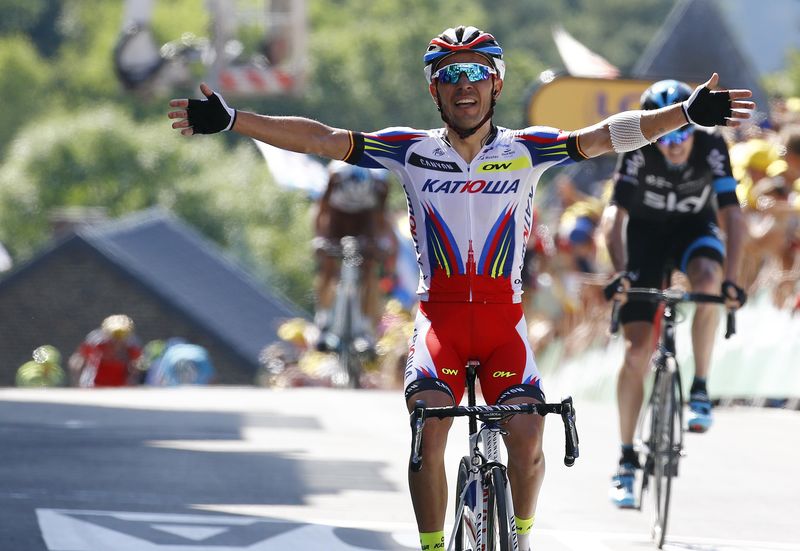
570 103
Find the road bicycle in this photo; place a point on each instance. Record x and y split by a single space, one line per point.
659 430
349 327
484 519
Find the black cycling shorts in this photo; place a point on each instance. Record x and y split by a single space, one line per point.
655 249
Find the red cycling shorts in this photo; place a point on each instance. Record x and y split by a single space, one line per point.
448 334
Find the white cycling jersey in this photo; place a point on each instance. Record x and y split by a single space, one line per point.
470 221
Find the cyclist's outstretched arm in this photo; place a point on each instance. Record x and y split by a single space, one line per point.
631 130
298 134
733 224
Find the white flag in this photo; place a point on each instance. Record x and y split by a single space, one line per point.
295 170
579 60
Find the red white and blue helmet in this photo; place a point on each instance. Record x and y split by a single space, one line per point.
461 39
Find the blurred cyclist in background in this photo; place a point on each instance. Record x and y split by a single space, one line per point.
108 356
354 204
667 195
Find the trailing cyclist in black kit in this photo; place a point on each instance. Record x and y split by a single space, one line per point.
672 193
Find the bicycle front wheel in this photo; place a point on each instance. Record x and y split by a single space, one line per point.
501 533
666 450
349 375
466 534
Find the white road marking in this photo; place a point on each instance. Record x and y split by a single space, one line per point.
68 530
196 533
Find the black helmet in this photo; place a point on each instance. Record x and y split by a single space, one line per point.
664 93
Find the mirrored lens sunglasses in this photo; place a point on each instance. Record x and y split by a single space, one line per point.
676 136
449 74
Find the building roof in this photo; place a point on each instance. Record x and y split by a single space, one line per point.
695 41
194 276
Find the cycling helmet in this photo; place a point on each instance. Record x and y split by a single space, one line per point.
664 93
47 354
119 326
462 39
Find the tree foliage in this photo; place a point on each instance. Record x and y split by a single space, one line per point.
70 135
102 157
25 83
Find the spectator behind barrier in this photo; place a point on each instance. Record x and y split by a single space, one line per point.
181 363
44 370
108 356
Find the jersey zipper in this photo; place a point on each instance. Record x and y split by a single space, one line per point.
471 271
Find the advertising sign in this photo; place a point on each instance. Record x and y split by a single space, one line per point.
569 103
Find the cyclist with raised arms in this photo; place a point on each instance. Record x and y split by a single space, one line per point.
469 188
667 197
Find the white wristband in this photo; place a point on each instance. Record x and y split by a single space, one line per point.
626 131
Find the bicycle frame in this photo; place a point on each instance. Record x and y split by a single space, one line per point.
347 316
667 376
476 508
662 448
475 503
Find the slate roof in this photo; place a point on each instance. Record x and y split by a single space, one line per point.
695 41
193 275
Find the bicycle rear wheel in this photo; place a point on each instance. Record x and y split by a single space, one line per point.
350 364
465 527
501 533
349 361
666 450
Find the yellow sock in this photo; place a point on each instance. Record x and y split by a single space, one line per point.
524 526
429 541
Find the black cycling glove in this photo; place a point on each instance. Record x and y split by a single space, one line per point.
614 287
708 108
741 295
209 116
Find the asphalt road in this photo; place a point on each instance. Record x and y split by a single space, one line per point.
224 469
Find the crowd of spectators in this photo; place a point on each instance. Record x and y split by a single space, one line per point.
568 263
112 356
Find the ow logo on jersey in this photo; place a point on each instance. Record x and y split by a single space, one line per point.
448 371
503 374
514 164
670 203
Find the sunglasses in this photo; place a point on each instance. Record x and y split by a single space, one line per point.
676 136
449 74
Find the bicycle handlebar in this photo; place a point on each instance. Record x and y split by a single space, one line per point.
671 297
493 413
